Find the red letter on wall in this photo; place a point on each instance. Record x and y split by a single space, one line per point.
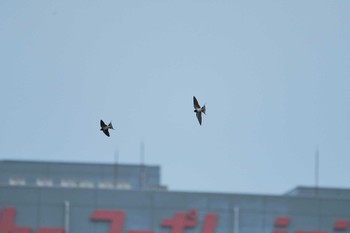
341 225
180 221
209 223
281 222
7 224
116 219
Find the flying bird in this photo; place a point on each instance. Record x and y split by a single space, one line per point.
105 127
198 109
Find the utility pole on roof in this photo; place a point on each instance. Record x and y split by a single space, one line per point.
142 166
316 171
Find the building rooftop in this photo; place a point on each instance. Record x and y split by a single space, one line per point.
302 191
112 176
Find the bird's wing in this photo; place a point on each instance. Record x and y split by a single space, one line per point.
199 117
195 103
106 132
103 125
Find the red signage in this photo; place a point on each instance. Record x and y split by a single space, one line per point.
341 225
281 223
178 223
7 224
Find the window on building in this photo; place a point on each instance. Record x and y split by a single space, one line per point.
17 181
68 183
44 182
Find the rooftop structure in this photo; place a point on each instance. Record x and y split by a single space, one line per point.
80 175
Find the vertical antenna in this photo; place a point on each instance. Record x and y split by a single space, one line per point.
142 152
115 170
142 167
316 171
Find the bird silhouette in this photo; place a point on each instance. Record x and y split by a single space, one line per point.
198 110
105 127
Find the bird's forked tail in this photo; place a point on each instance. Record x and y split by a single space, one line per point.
203 109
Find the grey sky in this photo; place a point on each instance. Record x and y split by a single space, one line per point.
274 76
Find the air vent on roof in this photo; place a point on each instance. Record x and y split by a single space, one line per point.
105 185
86 184
67 183
44 182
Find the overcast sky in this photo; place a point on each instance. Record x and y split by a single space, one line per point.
274 75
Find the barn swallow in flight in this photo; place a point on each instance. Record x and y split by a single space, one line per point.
105 127
198 110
